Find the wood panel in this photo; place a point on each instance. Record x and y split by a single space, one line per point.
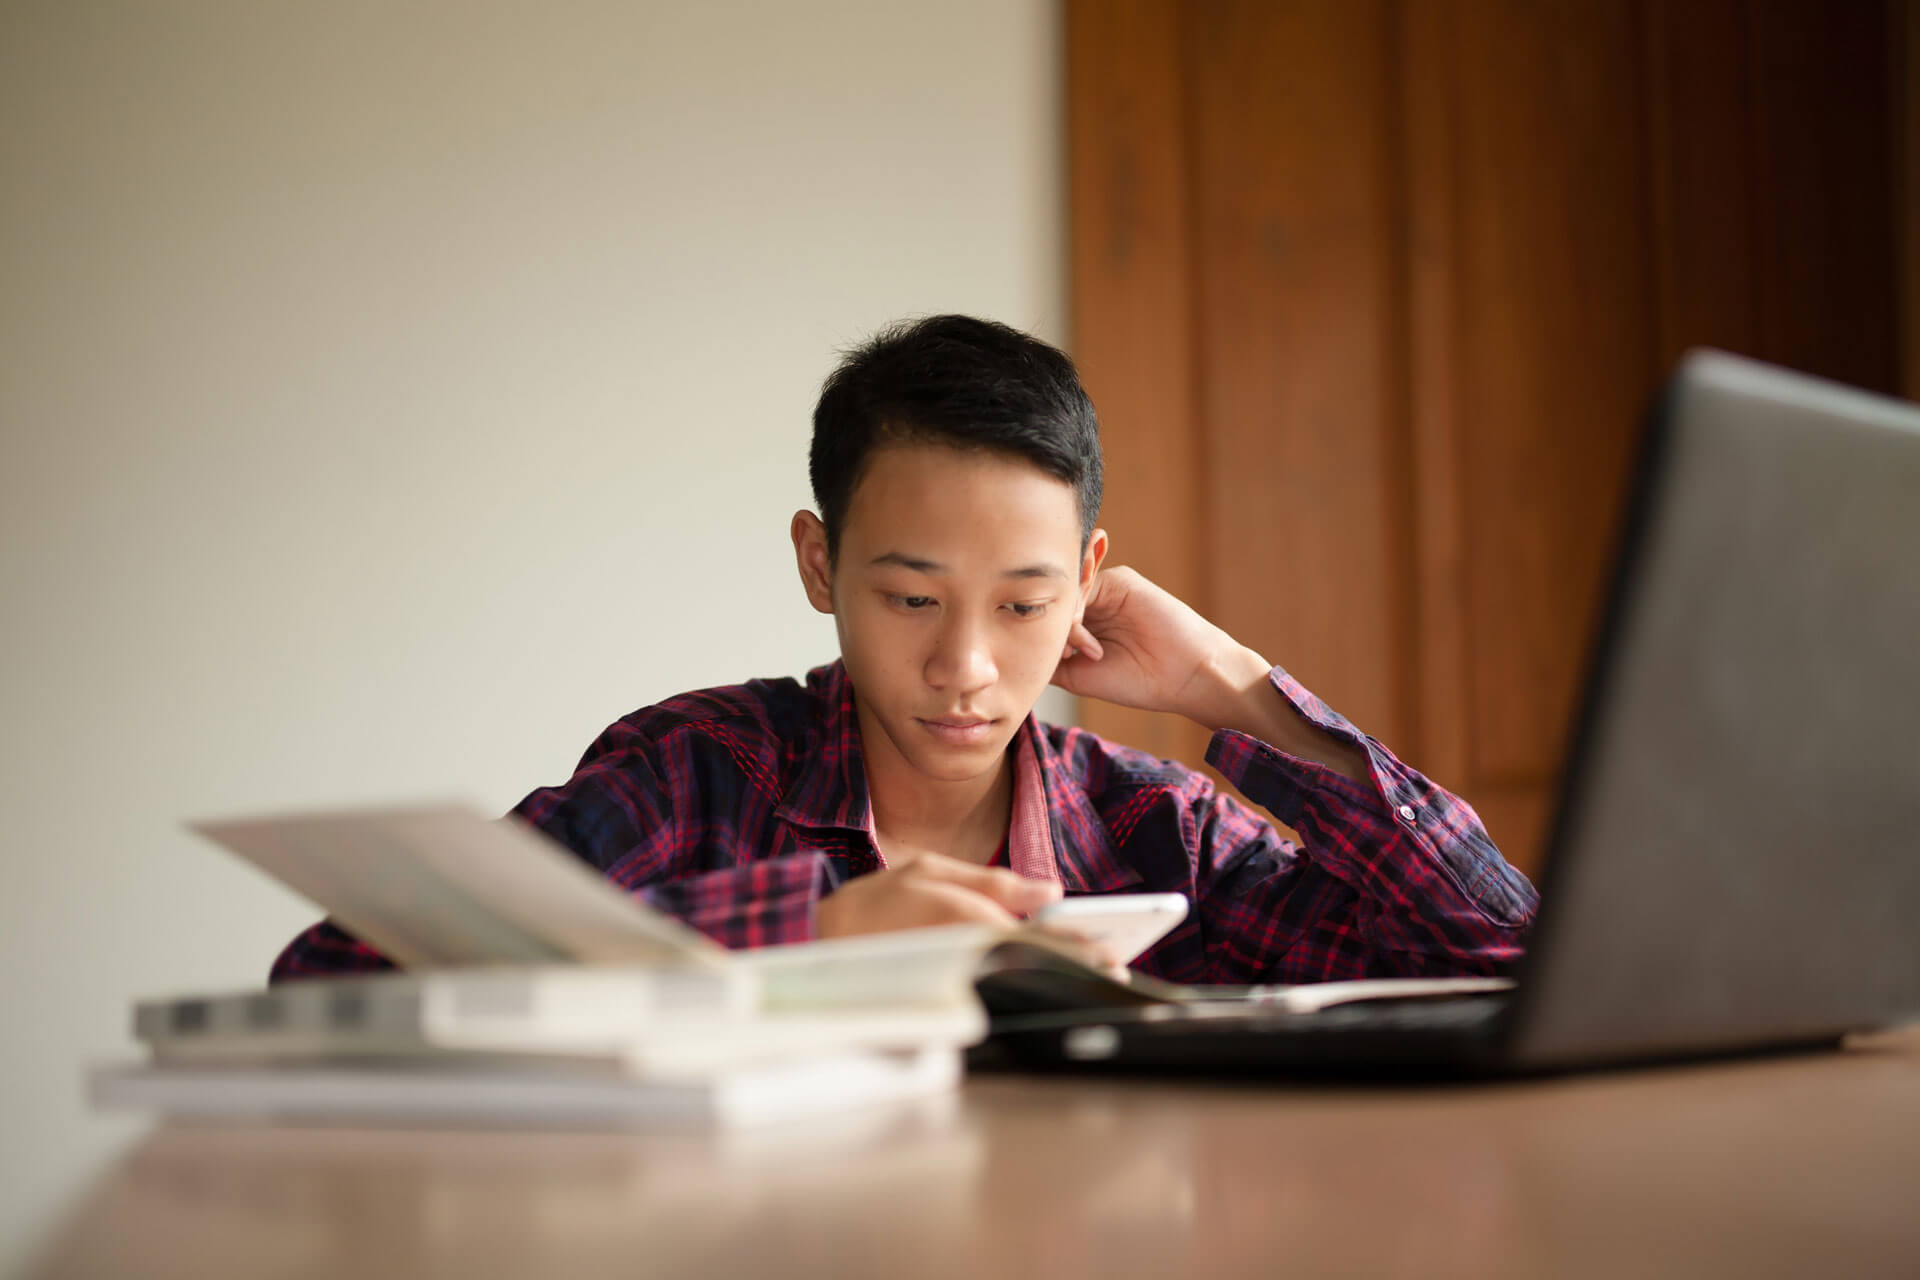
1300 371
1132 302
1904 49
1373 296
1706 255
1423 39
1822 126
1553 351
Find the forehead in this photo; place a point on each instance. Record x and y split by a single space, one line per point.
960 507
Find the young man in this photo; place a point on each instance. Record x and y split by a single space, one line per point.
956 465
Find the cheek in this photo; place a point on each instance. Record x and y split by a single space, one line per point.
1035 652
879 640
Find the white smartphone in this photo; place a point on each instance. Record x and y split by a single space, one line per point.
1125 923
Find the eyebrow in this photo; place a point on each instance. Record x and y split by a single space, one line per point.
902 560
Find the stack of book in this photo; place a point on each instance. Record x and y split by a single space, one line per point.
549 1046
532 992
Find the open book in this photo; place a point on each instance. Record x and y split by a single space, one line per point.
443 888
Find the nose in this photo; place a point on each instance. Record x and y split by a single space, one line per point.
962 658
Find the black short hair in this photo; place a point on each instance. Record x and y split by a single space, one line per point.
961 382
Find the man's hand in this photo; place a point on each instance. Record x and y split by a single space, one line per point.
931 889
1140 646
938 890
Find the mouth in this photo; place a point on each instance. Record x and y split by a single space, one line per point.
959 731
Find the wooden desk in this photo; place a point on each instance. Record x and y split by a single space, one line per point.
1795 1167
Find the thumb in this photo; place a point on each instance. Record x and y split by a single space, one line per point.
1067 673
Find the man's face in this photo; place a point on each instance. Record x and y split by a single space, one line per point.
958 578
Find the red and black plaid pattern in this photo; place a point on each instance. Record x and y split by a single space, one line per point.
736 809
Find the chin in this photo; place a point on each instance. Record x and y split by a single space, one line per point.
959 764
949 771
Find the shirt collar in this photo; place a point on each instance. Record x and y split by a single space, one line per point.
829 787
1055 833
1084 857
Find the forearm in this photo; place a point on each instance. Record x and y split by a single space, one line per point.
1234 691
1434 894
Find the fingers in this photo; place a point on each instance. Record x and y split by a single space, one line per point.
1097 952
953 904
1082 642
1008 889
1092 952
1110 590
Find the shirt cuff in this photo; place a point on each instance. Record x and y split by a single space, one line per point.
1397 807
1287 783
757 904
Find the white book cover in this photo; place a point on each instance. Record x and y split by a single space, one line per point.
441 885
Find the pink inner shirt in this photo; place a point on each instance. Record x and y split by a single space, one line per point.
1029 844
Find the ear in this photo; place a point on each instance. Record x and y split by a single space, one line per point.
810 552
1090 566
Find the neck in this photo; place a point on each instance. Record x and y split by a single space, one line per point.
914 814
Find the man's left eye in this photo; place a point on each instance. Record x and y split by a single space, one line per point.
1027 610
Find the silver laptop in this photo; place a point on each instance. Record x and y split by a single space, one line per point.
1735 860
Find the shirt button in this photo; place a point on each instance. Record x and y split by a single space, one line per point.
1406 813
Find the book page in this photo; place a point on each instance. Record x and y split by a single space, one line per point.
927 968
936 965
433 887
1314 996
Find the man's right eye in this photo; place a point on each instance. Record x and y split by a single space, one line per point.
913 602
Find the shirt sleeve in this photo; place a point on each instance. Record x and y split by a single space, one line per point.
1397 876
325 950
755 904
624 812
631 810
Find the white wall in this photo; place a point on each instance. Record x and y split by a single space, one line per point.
392 395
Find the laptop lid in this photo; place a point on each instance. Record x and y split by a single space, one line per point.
1736 856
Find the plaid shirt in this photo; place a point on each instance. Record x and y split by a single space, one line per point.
737 809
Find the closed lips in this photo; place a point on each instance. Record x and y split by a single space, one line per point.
959 732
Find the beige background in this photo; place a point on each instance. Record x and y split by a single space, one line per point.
392 395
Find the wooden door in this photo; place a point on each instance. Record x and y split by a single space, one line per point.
1371 297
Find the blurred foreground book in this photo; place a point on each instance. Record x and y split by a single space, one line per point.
536 993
